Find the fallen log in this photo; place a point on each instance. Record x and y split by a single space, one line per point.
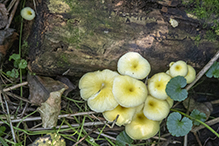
80 36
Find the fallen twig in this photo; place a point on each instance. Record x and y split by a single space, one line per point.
39 118
72 125
15 86
211 122
9 120
102 134
12 14
197 138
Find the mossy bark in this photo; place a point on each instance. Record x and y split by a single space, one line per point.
87 35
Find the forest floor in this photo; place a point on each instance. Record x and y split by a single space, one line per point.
23 92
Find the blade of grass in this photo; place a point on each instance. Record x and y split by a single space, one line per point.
3 142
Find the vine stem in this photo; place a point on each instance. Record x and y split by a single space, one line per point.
212 130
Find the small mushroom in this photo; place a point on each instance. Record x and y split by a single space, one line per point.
125 115
191 75
157 85
178 68
141 127
129 92
156 109
133 65
96 88
27 13
173 23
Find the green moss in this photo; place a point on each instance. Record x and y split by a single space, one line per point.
63 60
87 16
206 10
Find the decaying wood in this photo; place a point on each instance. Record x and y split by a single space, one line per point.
90 35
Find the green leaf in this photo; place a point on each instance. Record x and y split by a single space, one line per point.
22 64
198 115
13 73
15 57
213 71
177 125
123 139
174 88
2 130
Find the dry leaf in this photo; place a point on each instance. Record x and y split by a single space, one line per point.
205 107
49 110
7 37
67 82
41 87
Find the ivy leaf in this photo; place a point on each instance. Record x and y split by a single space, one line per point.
174 88
22 64
213 71
177 125
13 73
14 56
123 139
198 115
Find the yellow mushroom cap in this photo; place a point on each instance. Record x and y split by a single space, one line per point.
191 75
129 92
125 115
28 13
168 72
171 63
157 85
170 101
133 65
178 68
96 87
156 109
141 127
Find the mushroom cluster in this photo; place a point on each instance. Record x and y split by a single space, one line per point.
181 68
124 97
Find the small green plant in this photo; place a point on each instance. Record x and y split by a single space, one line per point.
18 64
177 125
213 71
198 115
123 139
174 88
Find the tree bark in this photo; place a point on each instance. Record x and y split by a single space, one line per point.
80 36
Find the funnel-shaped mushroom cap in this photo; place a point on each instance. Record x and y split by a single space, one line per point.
170 101
141 127
129 92
156 109
191 75
96 87
125 115
178 68
157 85
27 13
133 65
